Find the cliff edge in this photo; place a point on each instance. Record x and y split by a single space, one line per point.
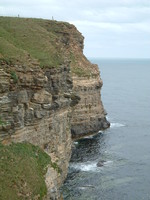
48 90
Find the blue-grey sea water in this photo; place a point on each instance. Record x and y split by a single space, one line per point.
124 149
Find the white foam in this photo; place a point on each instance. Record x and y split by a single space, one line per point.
75 142
109 162
85 166
84 187
100 132
108 118
88 137
88 166
116 125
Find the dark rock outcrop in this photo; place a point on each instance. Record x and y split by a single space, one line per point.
100 163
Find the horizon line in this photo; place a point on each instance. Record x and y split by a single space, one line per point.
111 58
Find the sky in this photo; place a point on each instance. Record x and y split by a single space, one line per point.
112 28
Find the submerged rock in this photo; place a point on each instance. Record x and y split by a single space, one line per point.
100 163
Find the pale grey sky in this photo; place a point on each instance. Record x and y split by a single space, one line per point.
112 28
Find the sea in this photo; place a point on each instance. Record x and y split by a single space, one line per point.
123 150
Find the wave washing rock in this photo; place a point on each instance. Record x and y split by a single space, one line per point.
48 89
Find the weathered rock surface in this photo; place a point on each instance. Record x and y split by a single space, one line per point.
89 114
100 163
36 110
45 105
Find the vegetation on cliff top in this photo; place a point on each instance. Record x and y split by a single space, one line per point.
29 40
47 43
22 170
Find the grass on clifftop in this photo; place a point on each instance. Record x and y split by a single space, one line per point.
47 43
22 170
30 40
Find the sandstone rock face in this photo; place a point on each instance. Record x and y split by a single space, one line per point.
89 114
48 90
36 109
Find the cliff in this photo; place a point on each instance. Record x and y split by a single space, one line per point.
48 89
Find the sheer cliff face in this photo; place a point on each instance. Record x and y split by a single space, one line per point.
35 107
48 89
89 115
50 44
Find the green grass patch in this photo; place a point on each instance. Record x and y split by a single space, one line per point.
31 40
22 170
14 76
47 43
2 122
56 167
80 72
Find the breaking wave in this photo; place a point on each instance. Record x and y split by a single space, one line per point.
88 166
116 125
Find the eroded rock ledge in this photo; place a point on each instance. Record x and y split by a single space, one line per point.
48 89
89 114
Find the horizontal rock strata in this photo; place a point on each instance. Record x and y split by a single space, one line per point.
36 109
48 90
89 114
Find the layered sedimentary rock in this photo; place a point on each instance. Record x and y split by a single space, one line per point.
89 114
35 107
48 89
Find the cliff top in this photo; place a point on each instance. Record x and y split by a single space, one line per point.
31 40
47 43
